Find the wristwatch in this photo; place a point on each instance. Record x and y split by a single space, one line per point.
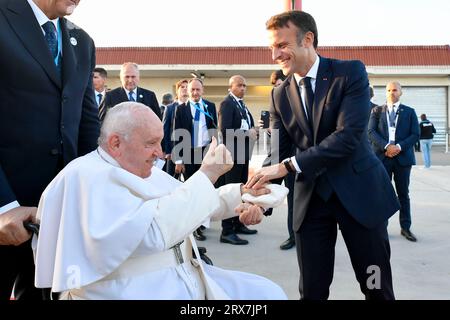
289 165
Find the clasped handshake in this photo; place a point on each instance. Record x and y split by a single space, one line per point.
218 161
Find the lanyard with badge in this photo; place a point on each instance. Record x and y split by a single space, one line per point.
206 113
244 120
58 30
392 124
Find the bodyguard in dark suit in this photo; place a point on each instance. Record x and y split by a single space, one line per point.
393 131
129 77
195 124
48 114
236 125
323 109
181 88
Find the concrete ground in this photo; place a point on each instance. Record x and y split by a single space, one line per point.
420 270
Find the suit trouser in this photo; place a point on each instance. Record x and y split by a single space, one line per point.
369 251
17 270
401 180
170 167
237 174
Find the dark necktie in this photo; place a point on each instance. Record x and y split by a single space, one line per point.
323 187
101 111
392 115
130 96
196 126
51 38
309 98
100 96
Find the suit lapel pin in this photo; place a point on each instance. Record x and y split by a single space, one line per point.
73 41
140 96
324 79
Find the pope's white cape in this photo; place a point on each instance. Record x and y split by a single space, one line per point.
100 214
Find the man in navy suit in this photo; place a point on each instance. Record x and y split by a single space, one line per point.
393 131
129 91
181 88
195 124
323 108
48 116
239 135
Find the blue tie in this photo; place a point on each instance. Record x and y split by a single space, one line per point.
130 96
392 116
100 96
51 38
196 126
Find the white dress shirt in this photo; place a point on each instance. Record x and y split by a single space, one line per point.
312 73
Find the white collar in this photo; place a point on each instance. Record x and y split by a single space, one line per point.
40 15
134 91
236 98
107 157
192 103
395 105
312 73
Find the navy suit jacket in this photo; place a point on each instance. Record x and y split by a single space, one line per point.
44 115
406 133
185 122
337 146
230 117
168 124
119 95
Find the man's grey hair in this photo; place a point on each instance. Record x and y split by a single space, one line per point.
235 78
122 68
122 119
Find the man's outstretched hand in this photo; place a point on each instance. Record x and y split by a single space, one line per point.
264 175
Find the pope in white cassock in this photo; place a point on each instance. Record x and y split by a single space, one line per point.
114 227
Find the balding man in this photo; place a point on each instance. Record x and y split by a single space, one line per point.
115 227
393 131
129 91
237 127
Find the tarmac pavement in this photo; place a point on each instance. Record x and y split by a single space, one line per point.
421 270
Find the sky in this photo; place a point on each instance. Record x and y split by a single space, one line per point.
117 23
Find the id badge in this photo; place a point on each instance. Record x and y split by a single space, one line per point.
244 125
392 134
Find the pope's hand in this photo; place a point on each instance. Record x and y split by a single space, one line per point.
249 213
217 161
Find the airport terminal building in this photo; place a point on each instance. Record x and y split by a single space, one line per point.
423 71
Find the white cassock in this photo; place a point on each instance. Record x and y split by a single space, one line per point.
108 234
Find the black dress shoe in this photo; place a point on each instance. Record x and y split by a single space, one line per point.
408 235
198 235
244 230
233 239
289 243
